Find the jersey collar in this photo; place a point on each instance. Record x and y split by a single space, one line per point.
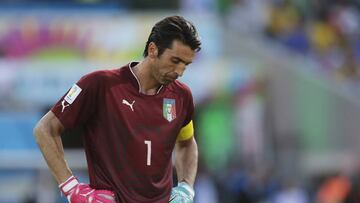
130 66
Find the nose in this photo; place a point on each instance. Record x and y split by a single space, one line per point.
179 70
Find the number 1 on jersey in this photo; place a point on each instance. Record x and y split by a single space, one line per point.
148 157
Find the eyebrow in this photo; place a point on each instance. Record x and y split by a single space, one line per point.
186 63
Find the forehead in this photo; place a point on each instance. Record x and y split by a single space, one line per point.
180 50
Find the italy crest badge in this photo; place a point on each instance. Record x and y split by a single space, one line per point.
169 109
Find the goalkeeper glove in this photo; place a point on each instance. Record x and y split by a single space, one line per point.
183 193
101 196
74 191
77 192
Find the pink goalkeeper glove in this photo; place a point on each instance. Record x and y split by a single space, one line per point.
77 192
74 191
101 196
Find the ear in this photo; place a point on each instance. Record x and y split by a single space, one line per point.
152 50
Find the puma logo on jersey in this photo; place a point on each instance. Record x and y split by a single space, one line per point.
64 105
128 103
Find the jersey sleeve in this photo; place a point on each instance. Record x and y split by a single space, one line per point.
187 131
189 107
78 105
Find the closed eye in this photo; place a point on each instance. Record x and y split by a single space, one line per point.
176 61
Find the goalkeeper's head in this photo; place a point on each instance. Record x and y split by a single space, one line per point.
173 28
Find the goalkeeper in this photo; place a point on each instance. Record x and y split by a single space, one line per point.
133 118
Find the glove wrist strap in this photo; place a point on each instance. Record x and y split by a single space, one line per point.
188 188
68 185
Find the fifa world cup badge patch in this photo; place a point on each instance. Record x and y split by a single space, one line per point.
72 94
169 109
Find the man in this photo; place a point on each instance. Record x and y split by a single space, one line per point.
133 118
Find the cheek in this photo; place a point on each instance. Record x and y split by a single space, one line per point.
160 72
164 68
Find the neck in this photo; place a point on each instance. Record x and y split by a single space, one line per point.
148 84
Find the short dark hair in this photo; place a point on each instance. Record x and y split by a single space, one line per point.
173 28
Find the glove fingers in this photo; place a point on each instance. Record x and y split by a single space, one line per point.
102 196
105 197
99 200
77 198
179 199
80 194
83 189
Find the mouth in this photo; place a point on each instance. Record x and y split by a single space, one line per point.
171 78
168 78
167 81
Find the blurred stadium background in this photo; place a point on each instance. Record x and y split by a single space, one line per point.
276 86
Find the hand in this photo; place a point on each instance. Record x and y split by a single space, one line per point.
183 193
77 192
101 196
74 191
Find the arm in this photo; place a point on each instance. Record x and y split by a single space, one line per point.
47 134
186 160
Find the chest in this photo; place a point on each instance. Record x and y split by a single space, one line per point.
157 114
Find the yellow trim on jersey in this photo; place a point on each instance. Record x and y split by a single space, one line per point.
186 132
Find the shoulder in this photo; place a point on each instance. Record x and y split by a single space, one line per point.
180 88
100 77
101 74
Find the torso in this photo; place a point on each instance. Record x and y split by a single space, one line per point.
130 136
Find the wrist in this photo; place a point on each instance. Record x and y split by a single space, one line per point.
188 188
68 185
